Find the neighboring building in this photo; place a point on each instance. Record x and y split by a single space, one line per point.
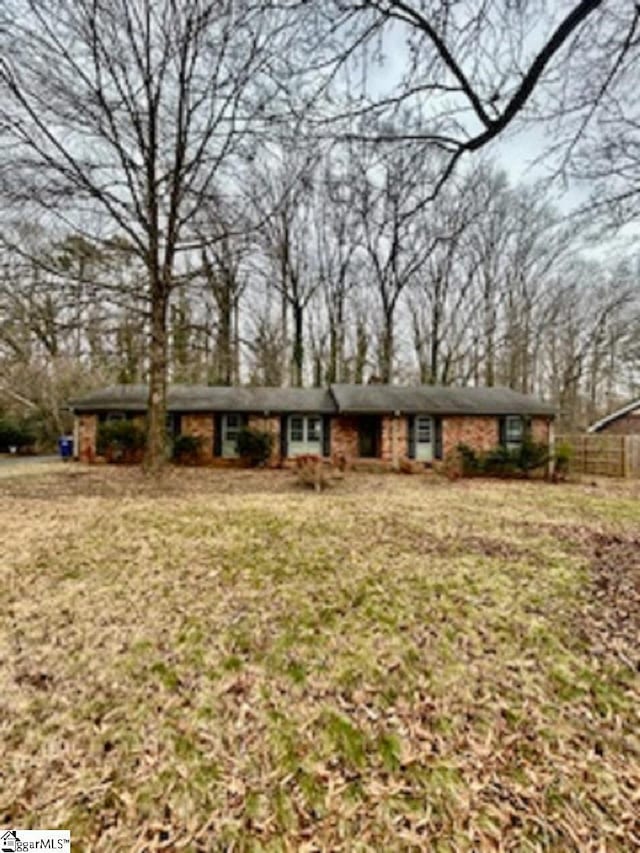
624 421
385 422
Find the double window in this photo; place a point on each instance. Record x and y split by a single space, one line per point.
304 435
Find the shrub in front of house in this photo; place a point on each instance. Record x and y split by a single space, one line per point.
120 441
453 465
532 455
315 472
14 434
468 462
562 461
410 466
254 446
500 461
187 449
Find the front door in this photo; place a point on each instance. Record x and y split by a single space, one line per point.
424 438
231 426
368 437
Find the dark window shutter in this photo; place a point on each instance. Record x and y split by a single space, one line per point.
437 451
502 431
326 435
412 438
283 437
217 435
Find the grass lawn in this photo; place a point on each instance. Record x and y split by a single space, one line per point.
223 661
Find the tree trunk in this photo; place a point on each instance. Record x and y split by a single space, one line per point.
362 349
332 367
434 354
297 359
489 332
224 344
386 354
156 408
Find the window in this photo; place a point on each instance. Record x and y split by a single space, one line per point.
230 427
313 429
513 431
296 428
423 430
115 416
304 435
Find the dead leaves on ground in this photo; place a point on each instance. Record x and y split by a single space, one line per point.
192 666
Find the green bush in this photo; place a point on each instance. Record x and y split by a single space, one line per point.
14 434
470 461
187 448
121 441
532 455
562 460
500 461
254 445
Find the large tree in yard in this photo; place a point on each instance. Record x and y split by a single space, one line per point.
123 117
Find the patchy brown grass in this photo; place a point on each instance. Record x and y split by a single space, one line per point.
222 660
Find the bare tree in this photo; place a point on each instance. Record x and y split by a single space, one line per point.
122 117
394 236
337 243
471 71
285 210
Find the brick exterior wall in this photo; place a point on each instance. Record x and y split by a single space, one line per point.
86 429
394 440
481 433
627 425
541 429
344 437
200 426
271 425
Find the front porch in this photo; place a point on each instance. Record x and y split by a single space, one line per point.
367 439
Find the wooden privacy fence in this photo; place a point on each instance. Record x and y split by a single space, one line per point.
606 455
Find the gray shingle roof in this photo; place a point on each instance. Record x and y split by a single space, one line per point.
356 399
435 399
209 398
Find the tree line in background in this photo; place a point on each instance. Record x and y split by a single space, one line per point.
278 193
349 279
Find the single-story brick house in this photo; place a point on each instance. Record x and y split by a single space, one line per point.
624 421
383 422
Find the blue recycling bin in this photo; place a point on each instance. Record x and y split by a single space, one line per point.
65 447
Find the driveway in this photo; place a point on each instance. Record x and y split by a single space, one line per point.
9 459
